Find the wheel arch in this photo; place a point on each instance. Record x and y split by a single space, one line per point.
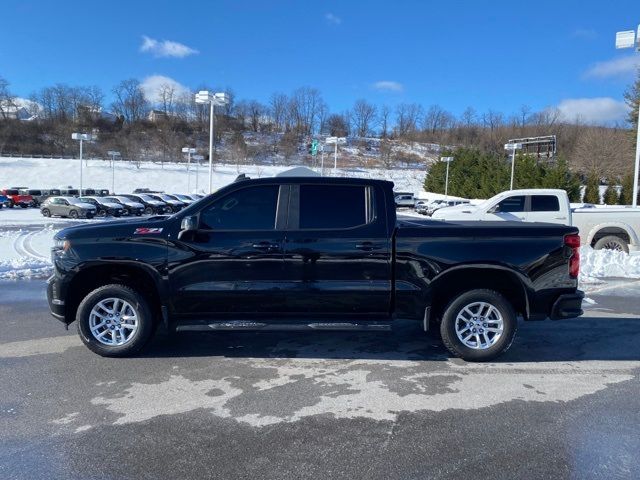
141 278
618 229
503 280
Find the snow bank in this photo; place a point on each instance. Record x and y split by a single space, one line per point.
25 253
598 264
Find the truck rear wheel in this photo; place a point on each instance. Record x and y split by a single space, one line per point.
114 321
478 325
612 242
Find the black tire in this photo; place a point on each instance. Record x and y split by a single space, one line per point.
23 205
11 204
101 213
148 211
46 212
455 344
73 214
138 339
612 242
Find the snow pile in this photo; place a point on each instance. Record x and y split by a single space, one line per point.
25 253
596 264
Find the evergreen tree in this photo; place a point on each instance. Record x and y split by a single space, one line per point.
592 189
558 175
632 98
611 196
626 193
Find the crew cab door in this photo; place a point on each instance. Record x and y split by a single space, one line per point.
508 209
337 252
547 208
233 262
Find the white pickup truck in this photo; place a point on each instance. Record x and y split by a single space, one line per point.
616 228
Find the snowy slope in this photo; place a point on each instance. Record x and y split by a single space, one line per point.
55 173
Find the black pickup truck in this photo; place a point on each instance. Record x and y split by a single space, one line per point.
310 253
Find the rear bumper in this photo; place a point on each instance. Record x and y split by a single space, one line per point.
567 306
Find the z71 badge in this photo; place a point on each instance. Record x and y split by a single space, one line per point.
147 231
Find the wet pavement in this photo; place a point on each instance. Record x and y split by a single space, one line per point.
562 403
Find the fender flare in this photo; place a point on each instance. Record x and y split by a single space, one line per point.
633 236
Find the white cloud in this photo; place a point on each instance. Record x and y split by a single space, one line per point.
594 110
153 85
332 19
165 48
388 86
616 67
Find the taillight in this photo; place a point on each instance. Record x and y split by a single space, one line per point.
573 242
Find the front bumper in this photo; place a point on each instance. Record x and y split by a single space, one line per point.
567 306
56 304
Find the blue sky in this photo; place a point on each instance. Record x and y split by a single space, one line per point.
486 54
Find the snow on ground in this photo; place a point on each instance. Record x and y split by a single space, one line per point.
56 173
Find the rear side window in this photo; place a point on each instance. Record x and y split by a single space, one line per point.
332 206
252 208
511 204
545 203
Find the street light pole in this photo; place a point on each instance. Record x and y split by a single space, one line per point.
629 39
189 151
513 147
211 113
113 155
81 137
446 181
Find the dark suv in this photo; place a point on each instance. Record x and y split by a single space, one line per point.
104 207
151 205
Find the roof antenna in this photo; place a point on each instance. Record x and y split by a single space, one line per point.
241 178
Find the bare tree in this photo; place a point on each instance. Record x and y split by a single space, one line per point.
407 117
7 100
130 101
384 118
279 105
363 116
256 112
337 125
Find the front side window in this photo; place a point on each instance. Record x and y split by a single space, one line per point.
332 206
545 203
251 208
511 204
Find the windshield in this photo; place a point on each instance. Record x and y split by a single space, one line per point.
148 198
12 192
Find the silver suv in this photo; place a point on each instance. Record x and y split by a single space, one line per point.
67 207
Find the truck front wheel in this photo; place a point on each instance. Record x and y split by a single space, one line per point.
478 325
114 321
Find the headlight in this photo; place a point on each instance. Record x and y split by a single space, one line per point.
61 245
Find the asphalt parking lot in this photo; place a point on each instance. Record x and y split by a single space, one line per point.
562 403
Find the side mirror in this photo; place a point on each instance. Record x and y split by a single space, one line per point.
494 209
188 224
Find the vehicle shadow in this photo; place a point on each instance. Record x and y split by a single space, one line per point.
583 339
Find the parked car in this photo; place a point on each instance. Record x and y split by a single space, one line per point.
616 228
16 198
104 207
69 191
174 204
38 195
5 201
70 207
405 200
151 205
185 199
88 192
131 207
103 192
334 258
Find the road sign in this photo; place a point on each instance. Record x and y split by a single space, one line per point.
330 140
512 146
626 39
188 150
314 147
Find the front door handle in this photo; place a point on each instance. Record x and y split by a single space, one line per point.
367 246
266 246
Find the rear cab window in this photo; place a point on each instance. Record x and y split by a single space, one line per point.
335 206
545 203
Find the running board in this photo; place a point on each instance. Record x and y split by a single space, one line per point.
281 326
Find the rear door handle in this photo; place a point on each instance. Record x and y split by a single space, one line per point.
367 246
266 246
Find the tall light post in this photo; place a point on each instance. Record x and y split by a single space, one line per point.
82 137
446 181
213 99
188 151
113 154
628 39
197 158
335 141
512 147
